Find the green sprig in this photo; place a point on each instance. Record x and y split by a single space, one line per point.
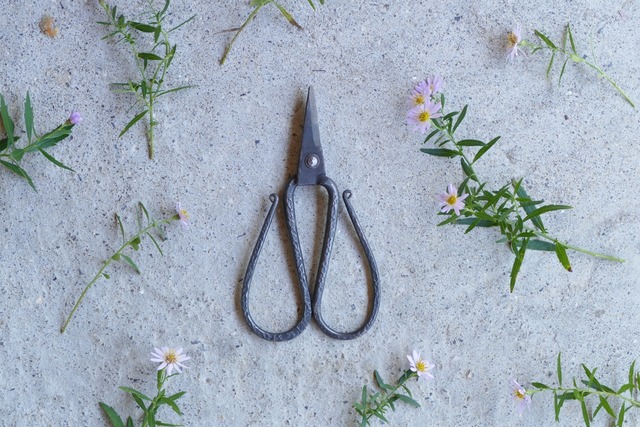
376 404
152 64
132 242
510 209
608 398
11 155
149 406
571 54
257 5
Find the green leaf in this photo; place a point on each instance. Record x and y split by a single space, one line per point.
131 263
559 369
546 40
537 221
28 117
177 396
632 370
573 46
132 122
106 276
440 152
540 386
164 9
7 122
164 92
148 56
471 143
130 422
468 170
380 382
477 222
585 412
431 135
553 55
17 154
287 16
562 256
517 263
135 392
607 407
54 161
18 171
113 416
145 28
116 257
545 209
541 245
135 243
463 113
172 405
484 149
52 138
151 419
564 65
407 399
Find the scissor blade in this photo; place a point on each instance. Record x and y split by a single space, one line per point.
311 162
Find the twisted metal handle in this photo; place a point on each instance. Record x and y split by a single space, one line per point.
303 286
324 265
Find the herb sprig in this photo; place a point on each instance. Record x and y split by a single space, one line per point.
257 5
615 402
517 216
11 155
152 63
144 230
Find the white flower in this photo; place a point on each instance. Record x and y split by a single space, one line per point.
450 200
421 367
169 359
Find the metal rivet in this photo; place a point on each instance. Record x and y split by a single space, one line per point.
312 161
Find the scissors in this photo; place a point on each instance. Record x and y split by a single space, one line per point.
311 172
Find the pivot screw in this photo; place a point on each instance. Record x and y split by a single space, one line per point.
312 161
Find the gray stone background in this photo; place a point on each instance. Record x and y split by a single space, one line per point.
225 145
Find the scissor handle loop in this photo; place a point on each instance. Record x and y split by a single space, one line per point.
303 286
323 267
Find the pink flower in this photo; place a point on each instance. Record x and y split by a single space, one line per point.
420 116
520 396
75 118
450 200
183 215
420 94
513 39
421 367
169 359
435 84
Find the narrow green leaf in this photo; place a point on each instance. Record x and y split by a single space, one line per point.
559 369
135 392
607 407
106 276
562 256
145 28
471 143
28 117
287 15
440 152
54 160
477 222
130 422
17 154
380 381
151 419
132 122
155 243
131 263
468 170
177 396
553 56
515 269
461 116
540 386
119 222
573 46
408 400
564 65
484 149
545 209
7 122
585 412
545 39
529 208
135 243
18 171
172 405
364 396
431 135
116 257
52 138
113 416
541 245
379 415
632 369
149 56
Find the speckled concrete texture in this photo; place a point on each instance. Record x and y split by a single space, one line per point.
225 145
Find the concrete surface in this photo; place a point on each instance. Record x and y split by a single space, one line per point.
224 146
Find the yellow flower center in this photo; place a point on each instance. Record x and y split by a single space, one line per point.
519 394
421 366
512 39
452 199
424 116
184 213
419 100
170 357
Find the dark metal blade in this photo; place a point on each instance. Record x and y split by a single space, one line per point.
311 161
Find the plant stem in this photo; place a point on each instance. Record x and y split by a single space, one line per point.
107 263
251 16
585 392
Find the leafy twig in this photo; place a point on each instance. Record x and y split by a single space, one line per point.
11 156
257 5
608 398
152 64
132 242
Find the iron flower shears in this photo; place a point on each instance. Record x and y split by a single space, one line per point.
311 171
